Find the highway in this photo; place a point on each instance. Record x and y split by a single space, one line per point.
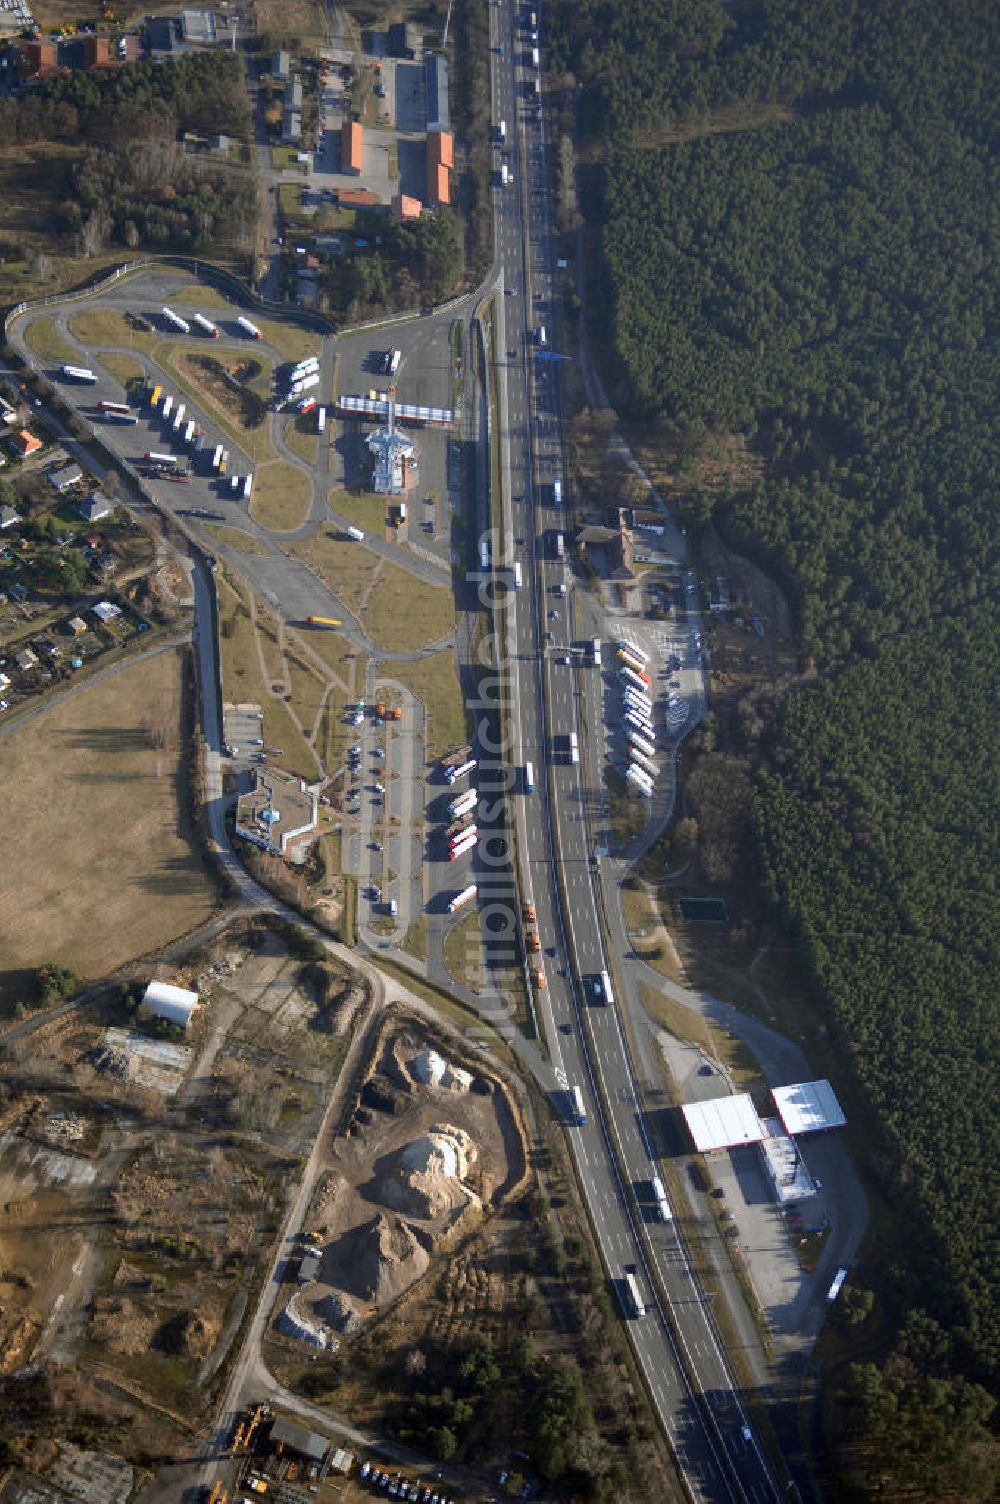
676 1343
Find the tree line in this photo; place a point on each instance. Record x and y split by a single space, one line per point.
825 285
145 101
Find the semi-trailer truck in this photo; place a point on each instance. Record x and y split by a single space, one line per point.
463 847
175 321
81 374
206 326
632 1298
460 899
463 803
248 328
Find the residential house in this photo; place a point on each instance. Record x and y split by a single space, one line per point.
356 198
24 443
613 545
65 477
95 508
8 517
405 207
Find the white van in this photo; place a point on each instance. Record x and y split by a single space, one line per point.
543 338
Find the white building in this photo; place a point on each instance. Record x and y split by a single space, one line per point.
161 1000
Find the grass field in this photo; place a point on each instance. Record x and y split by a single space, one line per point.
290 343
207 297
42 336
206 391
398 610
241 680
463 952
124 368
650 939
106 326
366 511
107 867
293 23
234 538
281 496
301 437
434 681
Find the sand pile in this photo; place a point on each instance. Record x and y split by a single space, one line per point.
384 1259
427 1177
431 1069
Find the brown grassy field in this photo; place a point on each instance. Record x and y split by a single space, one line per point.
398 610
434 681
42 336
281 496
104 868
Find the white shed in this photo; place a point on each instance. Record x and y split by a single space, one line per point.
172 1003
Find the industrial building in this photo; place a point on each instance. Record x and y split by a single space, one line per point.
352 147
174 1004
279 814
436 93
403 39
733 1121
440 162
286 1435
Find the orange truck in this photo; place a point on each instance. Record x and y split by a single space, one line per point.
529 913
534 944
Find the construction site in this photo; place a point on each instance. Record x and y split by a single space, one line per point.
163 1157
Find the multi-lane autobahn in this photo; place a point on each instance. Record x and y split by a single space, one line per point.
676 1342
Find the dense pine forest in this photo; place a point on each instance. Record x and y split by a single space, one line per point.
796 210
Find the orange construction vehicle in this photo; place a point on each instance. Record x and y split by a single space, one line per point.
380 710
534 944
529 913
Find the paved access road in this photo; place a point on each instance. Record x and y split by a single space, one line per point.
676 1342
